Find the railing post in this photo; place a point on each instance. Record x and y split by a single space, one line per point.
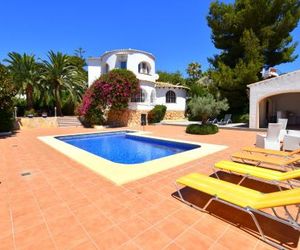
15 112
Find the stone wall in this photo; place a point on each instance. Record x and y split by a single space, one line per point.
132 118
37 122
174 115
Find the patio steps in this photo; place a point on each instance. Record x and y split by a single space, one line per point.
68 121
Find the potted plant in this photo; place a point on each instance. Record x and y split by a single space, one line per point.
30 113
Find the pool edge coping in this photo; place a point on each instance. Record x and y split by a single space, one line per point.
124 173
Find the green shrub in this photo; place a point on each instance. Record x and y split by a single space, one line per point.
7 92
30 112
157 114
204 129
206 106
241 118
6 120
191 117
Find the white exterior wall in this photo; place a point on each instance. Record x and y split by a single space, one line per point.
180 104
147 105
97 66
288 83
94 69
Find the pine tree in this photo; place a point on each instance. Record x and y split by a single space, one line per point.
250 34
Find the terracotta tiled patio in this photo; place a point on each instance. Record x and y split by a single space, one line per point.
63 205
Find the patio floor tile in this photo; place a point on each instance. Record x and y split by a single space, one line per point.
111 238
63 205
151 239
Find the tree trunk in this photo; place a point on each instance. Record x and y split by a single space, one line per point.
57 101
29 97
204 120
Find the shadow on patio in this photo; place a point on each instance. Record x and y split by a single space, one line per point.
273 230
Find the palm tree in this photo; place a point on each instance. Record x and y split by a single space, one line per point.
194 70
25 74
60 75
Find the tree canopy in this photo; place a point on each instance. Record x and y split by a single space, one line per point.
207 106
250 34
25 72
7 92
171 77
60 75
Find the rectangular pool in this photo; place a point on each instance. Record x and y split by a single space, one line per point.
125 147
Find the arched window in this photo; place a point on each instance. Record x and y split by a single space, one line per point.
144 68
140 97
106 68
152 96
170 97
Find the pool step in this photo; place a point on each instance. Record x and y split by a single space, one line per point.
68 121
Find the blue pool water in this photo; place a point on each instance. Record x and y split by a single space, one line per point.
123 147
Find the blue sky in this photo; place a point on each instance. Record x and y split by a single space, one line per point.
176 32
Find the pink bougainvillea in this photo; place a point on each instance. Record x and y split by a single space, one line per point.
110 91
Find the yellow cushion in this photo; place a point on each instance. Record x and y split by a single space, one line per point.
239 195
280 198
269 151
233 193
278 161
245 169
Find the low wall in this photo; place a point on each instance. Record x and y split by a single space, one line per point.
37 122
174 115
132 118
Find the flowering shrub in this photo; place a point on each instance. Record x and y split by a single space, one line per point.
111 91
7 92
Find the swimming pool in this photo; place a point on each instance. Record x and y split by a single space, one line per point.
103 151
125 147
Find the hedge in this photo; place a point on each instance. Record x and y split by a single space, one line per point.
204 129
6 120
157 114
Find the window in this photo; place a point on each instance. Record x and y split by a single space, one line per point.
106 68
144 68
123 65
152 96
140 97
170 97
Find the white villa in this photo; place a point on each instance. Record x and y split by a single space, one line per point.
273 98
142 64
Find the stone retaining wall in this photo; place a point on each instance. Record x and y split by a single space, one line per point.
37 122
132 118
174 115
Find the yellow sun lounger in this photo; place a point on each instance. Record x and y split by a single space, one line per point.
258 172
271 152
258 159
245 199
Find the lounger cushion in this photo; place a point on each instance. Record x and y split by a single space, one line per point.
270 151
264 173
278 161
239 195
245 169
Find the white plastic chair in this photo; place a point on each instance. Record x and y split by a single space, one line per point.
283 121
271 140
283 130
291 142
